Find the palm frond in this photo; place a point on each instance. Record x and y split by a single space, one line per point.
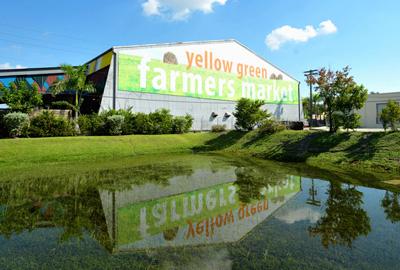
89 87
74 80
66 104
58 87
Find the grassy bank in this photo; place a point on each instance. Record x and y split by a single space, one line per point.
374 153
44 153
370 154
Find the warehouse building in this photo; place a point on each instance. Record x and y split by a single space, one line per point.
370 113
203 79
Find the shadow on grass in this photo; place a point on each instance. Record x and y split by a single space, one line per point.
299 148
365 148
366 151
375 152
221 142
381 150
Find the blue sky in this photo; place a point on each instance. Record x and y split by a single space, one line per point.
365 33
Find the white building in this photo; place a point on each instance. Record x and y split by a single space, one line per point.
204 79
373 107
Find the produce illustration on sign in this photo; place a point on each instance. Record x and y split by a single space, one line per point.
204 76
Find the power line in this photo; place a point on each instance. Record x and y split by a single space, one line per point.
18 59
21 40
45 47
41 32
40 40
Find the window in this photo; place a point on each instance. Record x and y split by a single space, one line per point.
379 108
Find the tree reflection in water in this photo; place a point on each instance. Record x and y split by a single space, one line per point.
344 220
72 203
75 211
249 183
252 181
390 204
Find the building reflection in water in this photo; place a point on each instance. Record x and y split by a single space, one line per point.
194 213
200 209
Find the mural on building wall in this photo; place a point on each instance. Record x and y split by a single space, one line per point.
96 73
225 72
43 82
99 63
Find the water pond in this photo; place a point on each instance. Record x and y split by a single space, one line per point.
196 212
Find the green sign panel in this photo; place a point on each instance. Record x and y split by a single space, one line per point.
138 74
138 221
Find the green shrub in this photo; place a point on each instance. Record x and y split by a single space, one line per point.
20 96
390 115
158 122
47 124
218 128
128 127
295 125
189 122
249 114
143 124
90 124
337 120
178 125
16 124
351 120
271 126
182 124
114 124
161 121
3 131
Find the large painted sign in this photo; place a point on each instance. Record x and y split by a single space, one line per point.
202 75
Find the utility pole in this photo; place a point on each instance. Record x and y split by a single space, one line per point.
299 100
313 193
308 74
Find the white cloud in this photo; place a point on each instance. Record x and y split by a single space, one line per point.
151 7
287 33
300 214
9 66
327 27
178 9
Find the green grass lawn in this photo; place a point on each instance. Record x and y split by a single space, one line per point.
377 153
45 153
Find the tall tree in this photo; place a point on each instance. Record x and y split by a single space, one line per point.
342 96
325 81
21 96
350 97
74 80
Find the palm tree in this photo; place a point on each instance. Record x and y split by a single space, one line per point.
74 80
317 105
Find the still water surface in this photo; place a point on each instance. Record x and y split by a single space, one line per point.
196 212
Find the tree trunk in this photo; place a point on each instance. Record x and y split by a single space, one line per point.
76 104
330 117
